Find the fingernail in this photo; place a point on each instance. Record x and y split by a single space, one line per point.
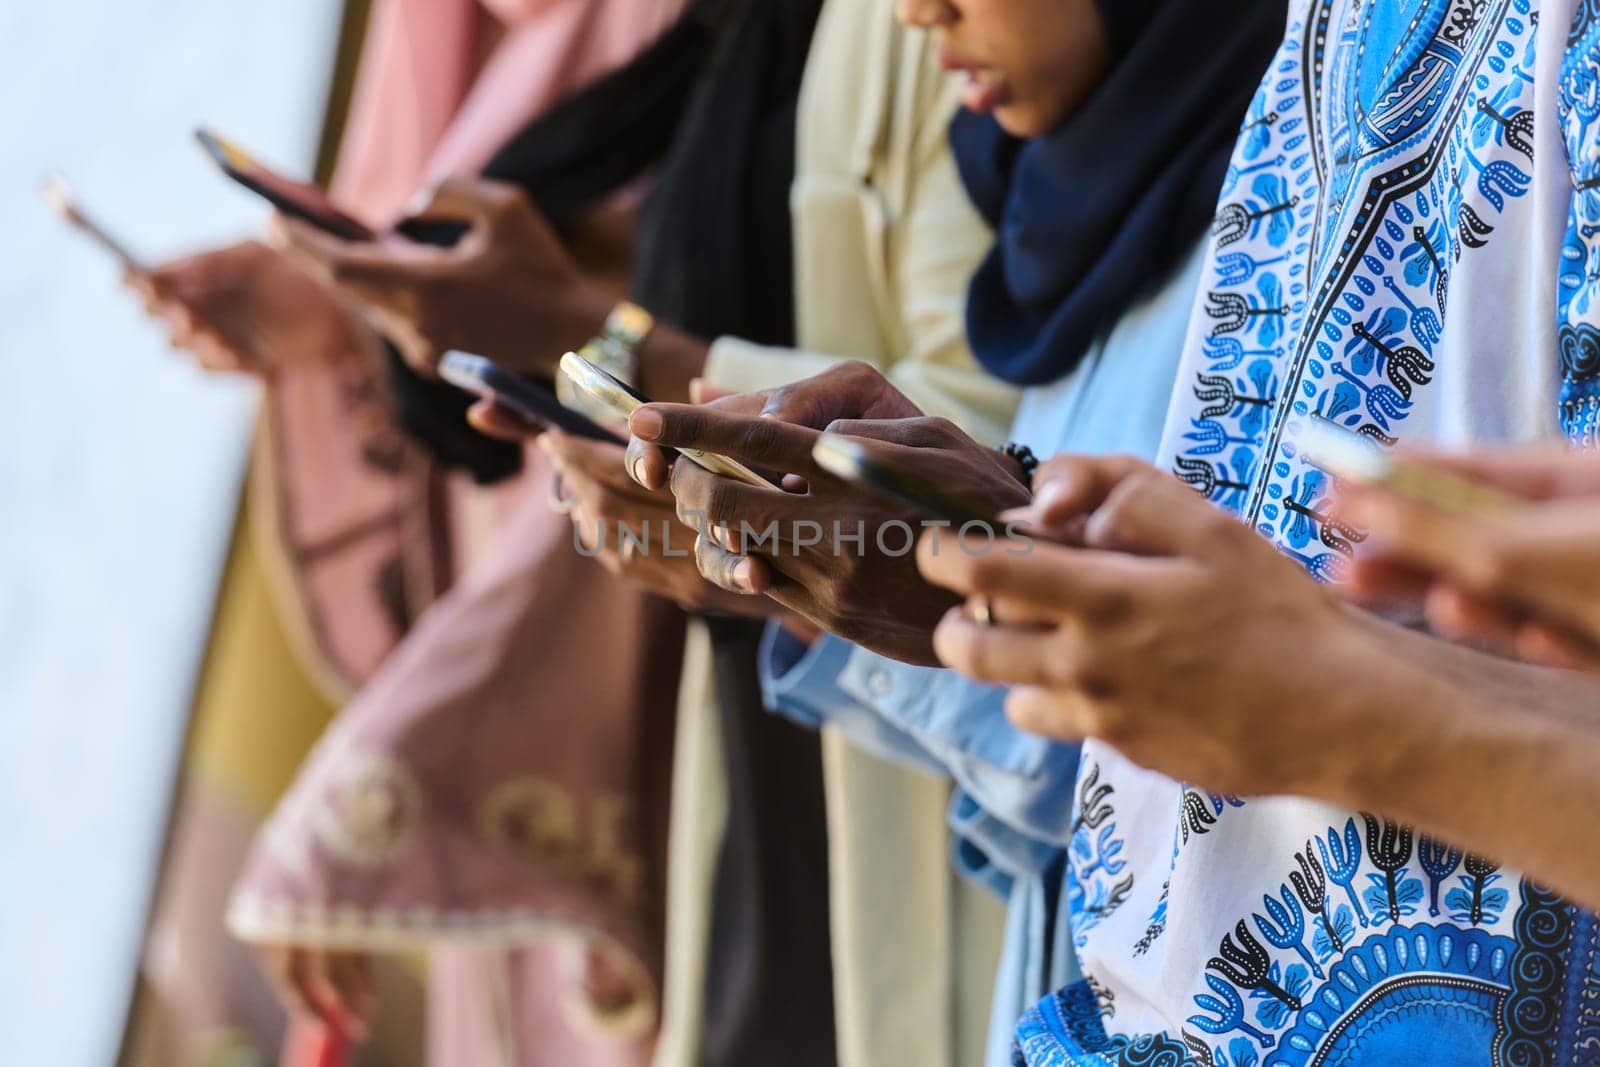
646 424
744 575
697 390
632 463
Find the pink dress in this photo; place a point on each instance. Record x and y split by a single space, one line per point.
496 791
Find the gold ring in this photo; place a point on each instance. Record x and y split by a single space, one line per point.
981 611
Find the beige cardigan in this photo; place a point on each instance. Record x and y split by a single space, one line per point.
885 242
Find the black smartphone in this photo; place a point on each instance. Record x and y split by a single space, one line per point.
533 402
305 201
846 459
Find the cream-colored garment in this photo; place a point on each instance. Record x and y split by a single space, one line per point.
885 242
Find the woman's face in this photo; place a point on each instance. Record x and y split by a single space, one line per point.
1030 62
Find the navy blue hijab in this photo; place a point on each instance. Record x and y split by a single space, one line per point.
1096 214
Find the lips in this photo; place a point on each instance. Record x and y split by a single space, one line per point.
985 88
984 91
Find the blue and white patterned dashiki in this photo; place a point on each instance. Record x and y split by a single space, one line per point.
1405 244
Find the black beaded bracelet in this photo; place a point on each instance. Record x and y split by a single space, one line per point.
1025 459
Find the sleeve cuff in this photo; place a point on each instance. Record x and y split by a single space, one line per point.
801 684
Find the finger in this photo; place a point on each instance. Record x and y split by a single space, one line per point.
726 570
1376 581
723 400
1459 615
1540 642
1062 714
922 432
1151 513
762 442
1066 486
367 269
278 963
493 419
852 390
307 975
704 499
350 975
1423 538
1539 472
600 461
703 392
647 464
1054 579
476 201
997 654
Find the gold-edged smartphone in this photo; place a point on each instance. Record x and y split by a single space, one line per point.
58 194
620 400
1346 454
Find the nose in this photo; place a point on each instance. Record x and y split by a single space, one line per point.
924 14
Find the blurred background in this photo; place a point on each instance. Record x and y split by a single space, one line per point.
120 464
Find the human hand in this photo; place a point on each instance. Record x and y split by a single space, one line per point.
820 546
851 391
333 986
508 289
247 308
1174 633
1523 580
633 532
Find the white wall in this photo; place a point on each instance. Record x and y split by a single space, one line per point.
119 465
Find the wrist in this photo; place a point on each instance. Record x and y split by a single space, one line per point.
1386 721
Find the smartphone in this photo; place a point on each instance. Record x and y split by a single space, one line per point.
849 460
622 400
1346 454
536 404
305 201
58 194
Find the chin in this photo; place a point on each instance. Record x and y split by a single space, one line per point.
1019 121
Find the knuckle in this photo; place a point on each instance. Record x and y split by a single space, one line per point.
763 438
722 502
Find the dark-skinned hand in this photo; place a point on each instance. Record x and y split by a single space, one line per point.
865 588
509 289
1175 633
602 500
247 308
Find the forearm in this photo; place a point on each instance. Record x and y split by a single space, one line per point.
1440 741
1565 695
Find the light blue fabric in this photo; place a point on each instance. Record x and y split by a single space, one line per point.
1011 809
